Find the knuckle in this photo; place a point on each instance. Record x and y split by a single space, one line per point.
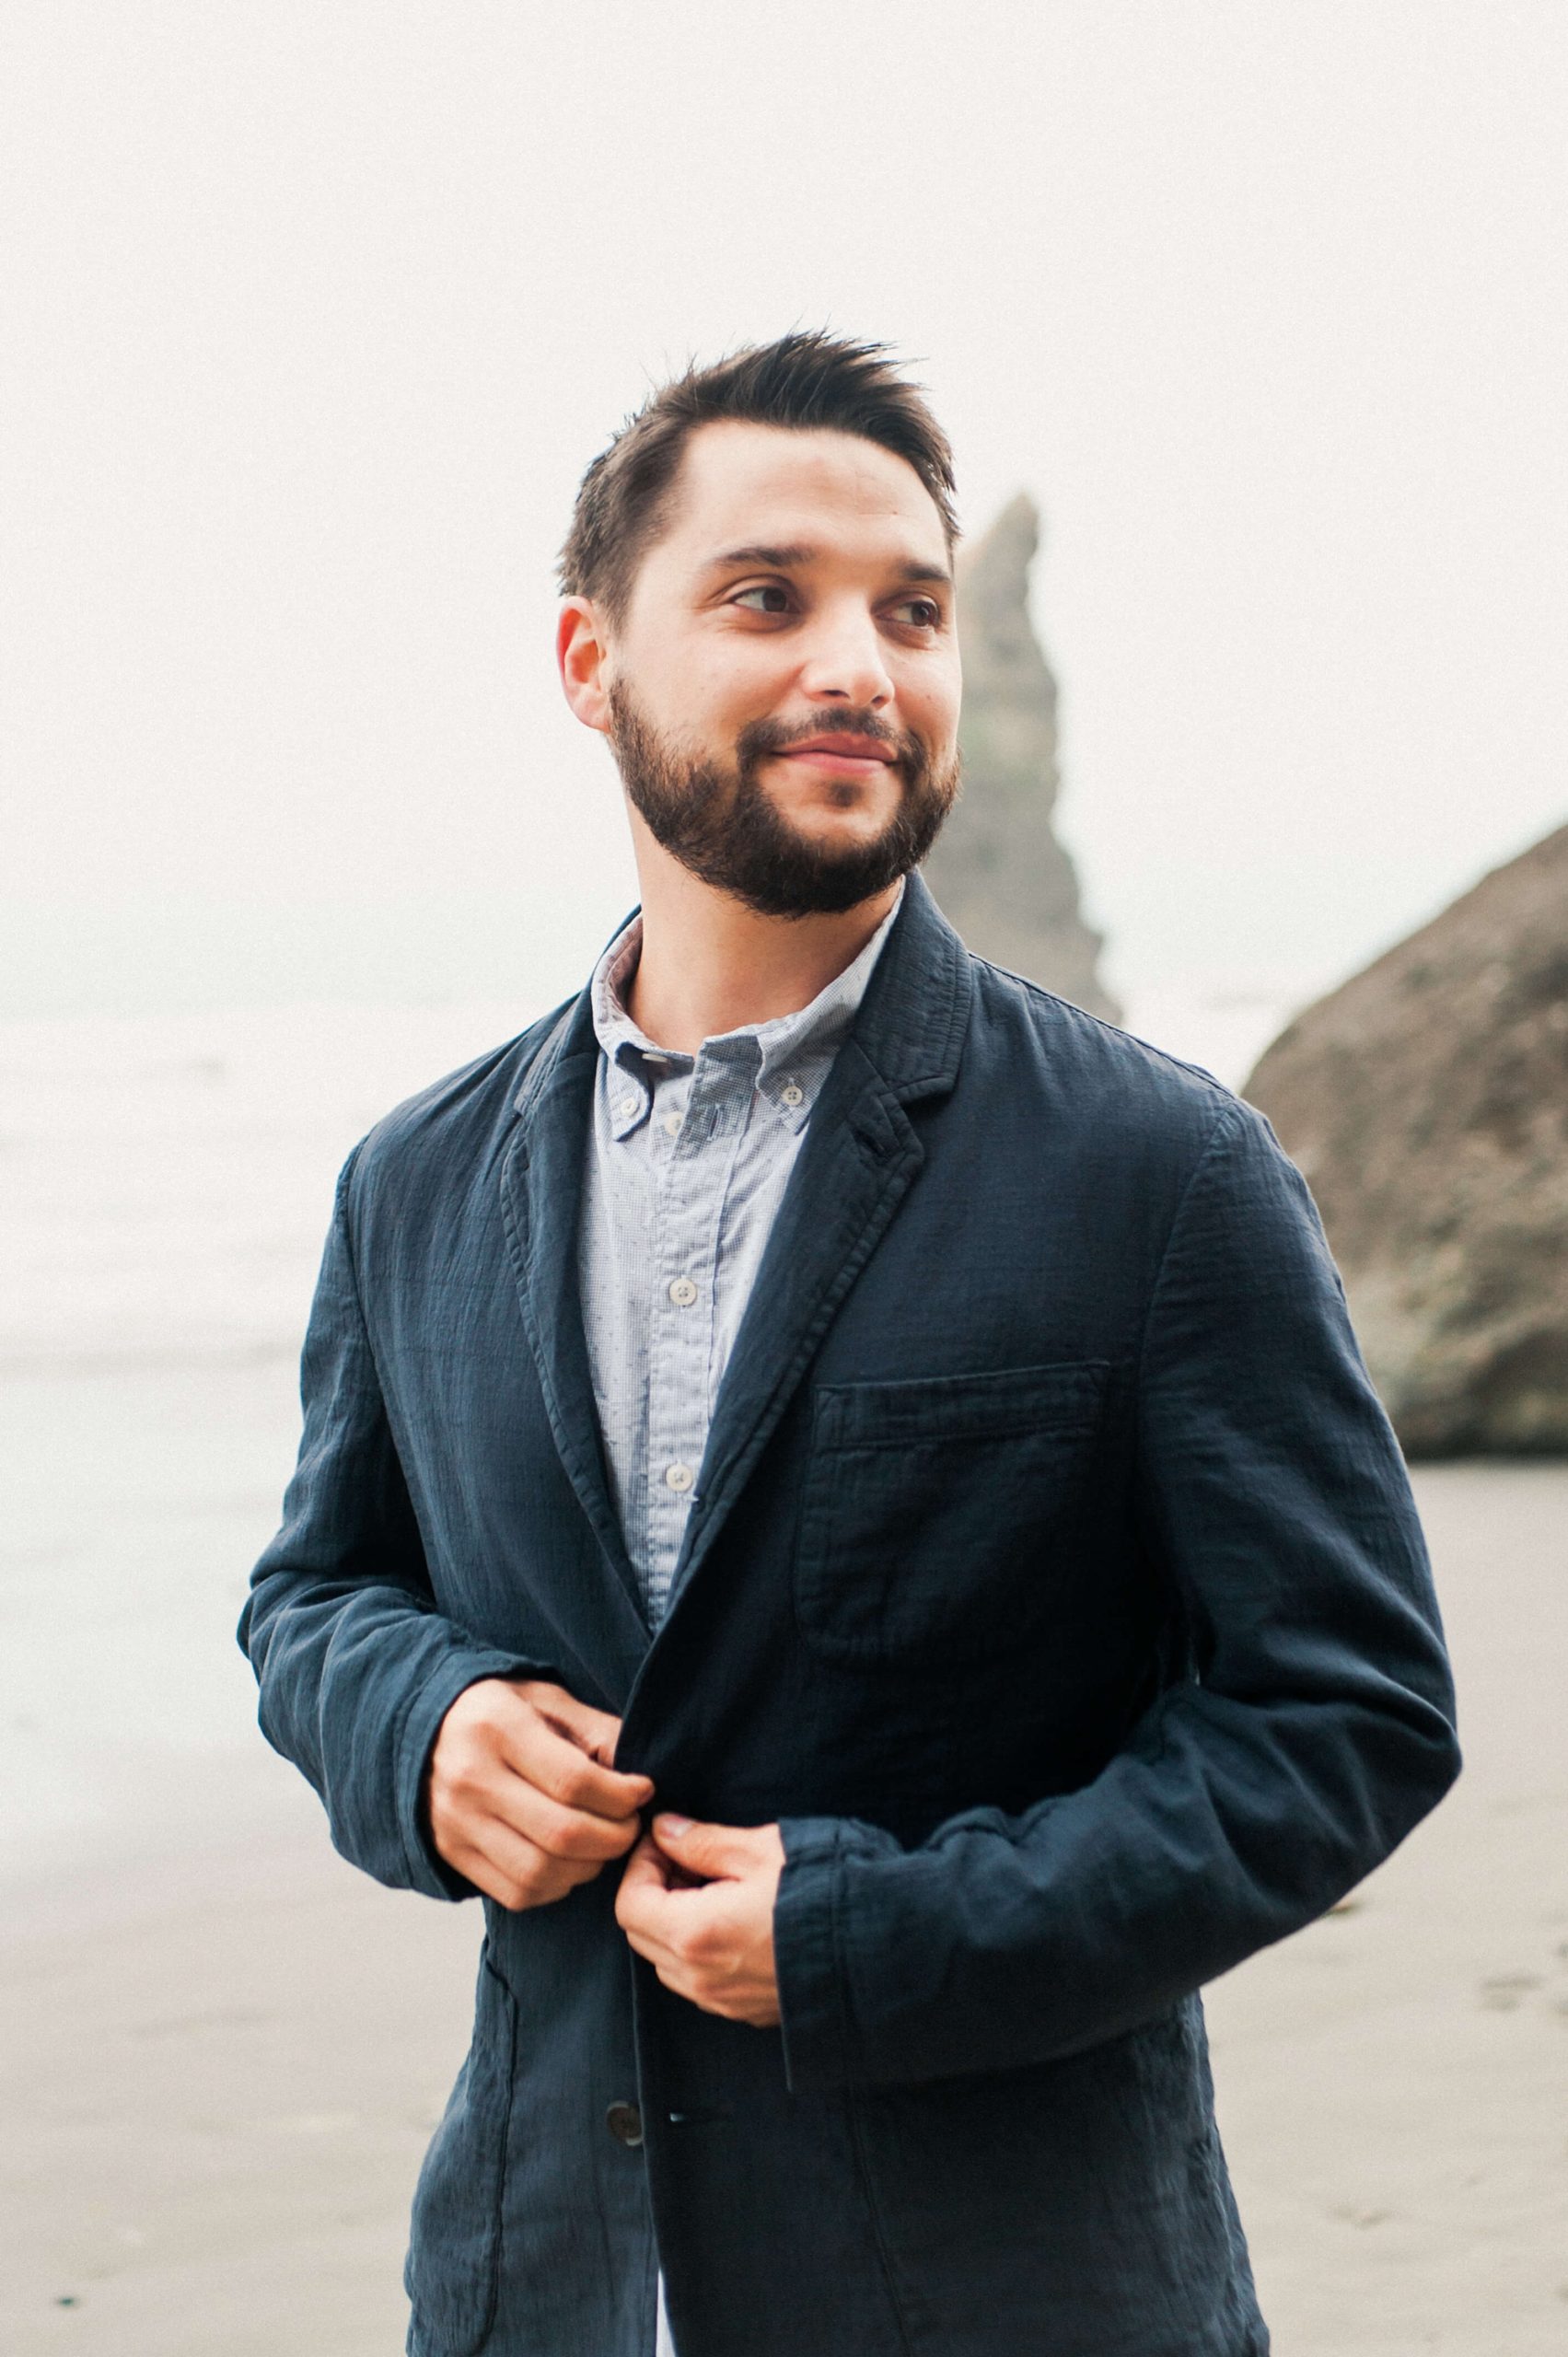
692 1943
576 1840
479 1706
548 1823
574 1784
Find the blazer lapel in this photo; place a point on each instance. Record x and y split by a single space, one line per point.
541 1183
860 1155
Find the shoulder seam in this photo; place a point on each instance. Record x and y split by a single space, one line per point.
413 1109
1103 1023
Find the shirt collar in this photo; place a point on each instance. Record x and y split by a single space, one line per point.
789 1057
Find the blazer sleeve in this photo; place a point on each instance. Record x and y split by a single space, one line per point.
1313 1728
356 1666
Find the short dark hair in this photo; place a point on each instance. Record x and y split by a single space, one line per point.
806 379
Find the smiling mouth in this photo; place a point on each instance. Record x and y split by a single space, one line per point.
858 756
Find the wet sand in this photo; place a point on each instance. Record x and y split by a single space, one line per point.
223 2052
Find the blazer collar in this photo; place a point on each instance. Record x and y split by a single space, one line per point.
910 1023
916 1006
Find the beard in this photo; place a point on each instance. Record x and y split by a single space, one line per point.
722 824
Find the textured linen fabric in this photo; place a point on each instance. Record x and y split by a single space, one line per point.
689 1157
1056 1586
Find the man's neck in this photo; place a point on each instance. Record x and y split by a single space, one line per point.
709 964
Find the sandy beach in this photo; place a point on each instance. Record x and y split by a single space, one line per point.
225 2048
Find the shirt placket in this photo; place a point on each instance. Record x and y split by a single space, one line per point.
696 1156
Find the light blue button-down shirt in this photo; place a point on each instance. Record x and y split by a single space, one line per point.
689 1157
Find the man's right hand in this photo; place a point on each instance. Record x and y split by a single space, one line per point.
521 1796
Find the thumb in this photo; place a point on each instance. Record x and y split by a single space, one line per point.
719 1851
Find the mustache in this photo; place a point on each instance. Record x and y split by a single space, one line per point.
760 737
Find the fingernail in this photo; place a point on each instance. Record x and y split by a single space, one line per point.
674 1825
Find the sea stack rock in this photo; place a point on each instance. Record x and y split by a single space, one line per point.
1427 1101
997 870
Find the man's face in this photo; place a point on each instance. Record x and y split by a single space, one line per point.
783 688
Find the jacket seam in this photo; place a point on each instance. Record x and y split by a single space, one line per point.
345 1180
851 2100
1224 1121
836 1946
850 2094
873 2212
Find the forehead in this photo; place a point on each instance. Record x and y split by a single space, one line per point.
740 484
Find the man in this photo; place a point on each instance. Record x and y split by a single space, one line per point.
838 1492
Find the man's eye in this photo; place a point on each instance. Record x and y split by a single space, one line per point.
924 613
772 598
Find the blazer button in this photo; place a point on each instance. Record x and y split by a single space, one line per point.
625 2122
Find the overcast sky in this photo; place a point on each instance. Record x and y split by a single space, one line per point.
313 314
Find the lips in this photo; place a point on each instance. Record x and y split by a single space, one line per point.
860 754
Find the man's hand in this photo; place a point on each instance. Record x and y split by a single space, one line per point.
521 1796
697 1901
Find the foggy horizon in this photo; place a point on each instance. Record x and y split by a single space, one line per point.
317 321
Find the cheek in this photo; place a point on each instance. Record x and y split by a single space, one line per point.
711 691
931 709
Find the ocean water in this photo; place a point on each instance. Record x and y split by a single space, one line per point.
165 1187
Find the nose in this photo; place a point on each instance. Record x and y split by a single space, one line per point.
844 662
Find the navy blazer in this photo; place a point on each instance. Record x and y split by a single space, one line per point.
1052 1576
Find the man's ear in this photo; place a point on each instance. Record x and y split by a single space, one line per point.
580 656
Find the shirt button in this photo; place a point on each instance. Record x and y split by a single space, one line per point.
625 2122
671 1122
626 1107
793 1093
679 1477
682 1291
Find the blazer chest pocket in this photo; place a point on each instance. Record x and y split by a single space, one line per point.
934 1509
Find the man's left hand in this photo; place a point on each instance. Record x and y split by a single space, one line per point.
697 1901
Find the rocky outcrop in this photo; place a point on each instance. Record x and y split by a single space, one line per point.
997 869
1427 1103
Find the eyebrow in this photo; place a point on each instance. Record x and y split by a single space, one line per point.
796 553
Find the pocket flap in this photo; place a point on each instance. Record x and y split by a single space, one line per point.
960 1407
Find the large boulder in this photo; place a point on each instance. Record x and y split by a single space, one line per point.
1426 1101
997 869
